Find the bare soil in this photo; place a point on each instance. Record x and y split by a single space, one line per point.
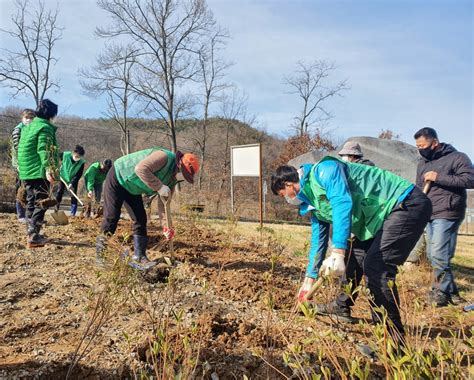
238 291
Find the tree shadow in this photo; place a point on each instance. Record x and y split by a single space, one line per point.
463 270
69 243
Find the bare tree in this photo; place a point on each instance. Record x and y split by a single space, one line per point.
167 32
26 69
388 134
233 108
212 71
309 83
111 75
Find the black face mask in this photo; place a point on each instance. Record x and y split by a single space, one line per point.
426 153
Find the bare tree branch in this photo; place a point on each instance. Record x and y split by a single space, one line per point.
167 33
111 76
212 70
27 69
308 83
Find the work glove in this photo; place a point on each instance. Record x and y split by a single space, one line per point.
69 187
164 191
89 194
168 232
307 284
333 266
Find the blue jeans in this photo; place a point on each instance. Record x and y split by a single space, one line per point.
441 237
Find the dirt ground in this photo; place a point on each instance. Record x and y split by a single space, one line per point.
225 311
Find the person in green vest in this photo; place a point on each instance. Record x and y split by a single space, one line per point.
94 177
72 167
374 205
146 172
27 116
37 166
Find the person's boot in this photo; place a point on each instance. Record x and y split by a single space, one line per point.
35 240
139 254
100 247
332 309
73 209
20 212
438 298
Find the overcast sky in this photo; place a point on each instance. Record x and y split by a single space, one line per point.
408 63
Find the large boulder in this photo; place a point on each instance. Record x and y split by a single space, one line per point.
396 156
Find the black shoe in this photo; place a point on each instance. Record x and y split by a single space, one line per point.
438 298
36 241
342 314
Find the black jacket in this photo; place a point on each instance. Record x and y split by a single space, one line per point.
455 175
364 161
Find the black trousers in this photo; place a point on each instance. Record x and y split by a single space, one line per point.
60 193
114 197
354 271
17 183
390 248
36 190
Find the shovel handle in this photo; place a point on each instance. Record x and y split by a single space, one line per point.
167 202
72 192
426 187
314 288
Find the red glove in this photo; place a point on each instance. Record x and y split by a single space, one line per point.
307 284
168 232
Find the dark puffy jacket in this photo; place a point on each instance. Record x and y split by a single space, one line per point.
455 175
38 149
364 161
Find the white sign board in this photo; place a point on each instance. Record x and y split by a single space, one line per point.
245 160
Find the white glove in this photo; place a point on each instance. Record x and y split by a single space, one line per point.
333 266
89 194
164 191
69 187
307 284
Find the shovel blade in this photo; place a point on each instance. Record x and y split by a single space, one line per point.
60 218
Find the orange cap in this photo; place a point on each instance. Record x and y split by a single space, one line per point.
189 166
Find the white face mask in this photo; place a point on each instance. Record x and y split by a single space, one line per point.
293 201
345 158
76 158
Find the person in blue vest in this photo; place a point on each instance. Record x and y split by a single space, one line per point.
368 202
146 172
72 167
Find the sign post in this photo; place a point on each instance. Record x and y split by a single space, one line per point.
246 161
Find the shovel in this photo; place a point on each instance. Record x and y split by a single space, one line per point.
167 203
72 192
60 218
314 288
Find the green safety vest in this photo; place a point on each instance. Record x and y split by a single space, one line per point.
69 167
94 176
374 194
128 179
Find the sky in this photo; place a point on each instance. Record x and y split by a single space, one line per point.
409 64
